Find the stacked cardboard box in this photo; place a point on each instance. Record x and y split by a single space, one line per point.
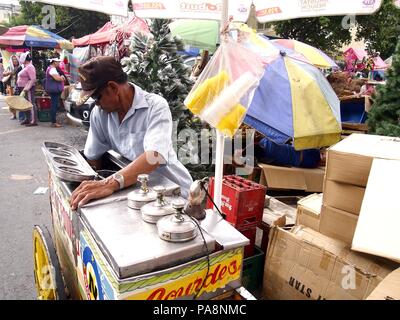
278 177
303 264
318 261
388 289
347 171
309 211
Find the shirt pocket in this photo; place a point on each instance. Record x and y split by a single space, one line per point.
134 144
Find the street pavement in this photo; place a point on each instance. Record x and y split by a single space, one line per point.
22 171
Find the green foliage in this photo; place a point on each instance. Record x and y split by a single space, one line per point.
324 33
70 22
384 118
381 29
155 65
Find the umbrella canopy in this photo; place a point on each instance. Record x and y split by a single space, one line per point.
314 55
108 32
294 101
352 55
99 36
202 34
33 36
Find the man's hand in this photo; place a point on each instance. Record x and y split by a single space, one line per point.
23 93
89 190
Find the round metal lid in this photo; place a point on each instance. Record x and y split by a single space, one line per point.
155 210
177 227
140 196
173 224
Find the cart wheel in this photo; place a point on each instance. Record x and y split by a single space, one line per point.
47 272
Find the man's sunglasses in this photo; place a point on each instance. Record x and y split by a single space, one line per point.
96 96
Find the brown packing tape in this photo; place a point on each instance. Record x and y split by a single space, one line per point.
325 261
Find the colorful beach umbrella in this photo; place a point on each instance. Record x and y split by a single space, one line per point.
314 55
293 101
33 36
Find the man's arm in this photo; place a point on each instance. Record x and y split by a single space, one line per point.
147 162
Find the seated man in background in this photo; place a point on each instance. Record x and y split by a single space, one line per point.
268 152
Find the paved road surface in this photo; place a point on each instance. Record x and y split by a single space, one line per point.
22 171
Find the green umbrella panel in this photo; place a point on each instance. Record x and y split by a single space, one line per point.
202 34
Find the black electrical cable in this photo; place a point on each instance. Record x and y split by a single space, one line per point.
208 258
209 196
202 183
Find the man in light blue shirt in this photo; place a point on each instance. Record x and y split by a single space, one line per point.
131 121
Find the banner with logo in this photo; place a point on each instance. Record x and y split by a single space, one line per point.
111 7
275 10
266 11
191 9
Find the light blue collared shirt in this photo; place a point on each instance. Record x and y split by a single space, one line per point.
146 127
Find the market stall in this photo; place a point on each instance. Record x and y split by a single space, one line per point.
24 38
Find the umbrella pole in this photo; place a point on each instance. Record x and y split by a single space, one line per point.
219 152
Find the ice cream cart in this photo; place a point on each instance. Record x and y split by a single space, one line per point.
105 250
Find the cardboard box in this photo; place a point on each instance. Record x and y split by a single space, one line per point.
309 210
378 225
343 196
338 224
349 161
276 211
304 264
276 177
388 289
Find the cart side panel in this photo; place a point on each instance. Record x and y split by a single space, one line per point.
100 282
65 228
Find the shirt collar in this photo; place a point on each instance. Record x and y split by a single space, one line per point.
139 102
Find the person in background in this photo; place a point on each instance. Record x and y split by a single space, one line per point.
55 80
2 90
269 152
12 74
26 84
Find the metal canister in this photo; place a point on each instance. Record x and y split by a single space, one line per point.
177 227
154 211
138 198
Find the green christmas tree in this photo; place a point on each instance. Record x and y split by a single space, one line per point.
155 65
384 118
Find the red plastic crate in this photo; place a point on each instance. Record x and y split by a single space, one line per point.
249 233
43 103
242 201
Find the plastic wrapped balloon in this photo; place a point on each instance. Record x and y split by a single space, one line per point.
225 89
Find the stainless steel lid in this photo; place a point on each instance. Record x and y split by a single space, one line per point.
155 210
138 198
177 227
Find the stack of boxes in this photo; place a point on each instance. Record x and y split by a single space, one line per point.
243 205
43 107
315 259
347 171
